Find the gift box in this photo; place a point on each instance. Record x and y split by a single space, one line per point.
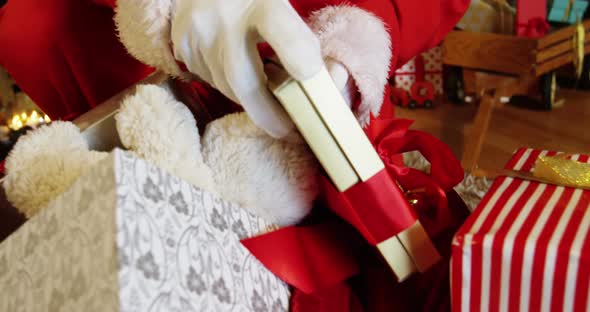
428 69
565 11
127 236
494 16
526 246
531 18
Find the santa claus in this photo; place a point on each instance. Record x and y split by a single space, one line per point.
71 55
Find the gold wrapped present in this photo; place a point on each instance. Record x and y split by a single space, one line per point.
495 16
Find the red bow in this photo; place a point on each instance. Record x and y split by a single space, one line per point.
391 138
536 27
318 257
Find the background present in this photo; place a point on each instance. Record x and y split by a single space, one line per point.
525 247
495 16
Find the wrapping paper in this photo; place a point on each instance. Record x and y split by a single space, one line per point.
526 246
531 18
130 237
405 76
488 16
561 11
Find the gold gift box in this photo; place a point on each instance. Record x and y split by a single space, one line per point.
493 16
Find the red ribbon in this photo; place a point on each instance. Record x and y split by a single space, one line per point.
318 257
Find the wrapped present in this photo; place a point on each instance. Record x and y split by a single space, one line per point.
429 68
531 18
526 246
494 16
127 236
567 11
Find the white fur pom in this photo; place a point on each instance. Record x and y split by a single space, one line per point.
155 126
274 179
44 163
144 29
359 40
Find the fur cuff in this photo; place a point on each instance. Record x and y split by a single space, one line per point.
144 29
360 41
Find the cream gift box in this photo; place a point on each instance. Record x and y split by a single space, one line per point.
129 237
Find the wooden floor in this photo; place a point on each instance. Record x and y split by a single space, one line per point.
566 128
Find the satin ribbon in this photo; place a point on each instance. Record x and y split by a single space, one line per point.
391 138
535 27
315 257
563 171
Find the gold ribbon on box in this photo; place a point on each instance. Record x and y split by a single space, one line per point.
568 11
557 170
560 170
579 38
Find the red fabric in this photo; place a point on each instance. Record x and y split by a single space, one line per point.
330 253
319 280
66 56
415 26
108 3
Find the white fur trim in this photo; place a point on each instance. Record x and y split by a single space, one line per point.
156 127
44 163
359 40
144 29
274 179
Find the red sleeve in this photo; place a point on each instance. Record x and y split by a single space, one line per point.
108 3
414 25
67 56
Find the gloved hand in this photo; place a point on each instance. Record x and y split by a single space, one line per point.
216 40
342 80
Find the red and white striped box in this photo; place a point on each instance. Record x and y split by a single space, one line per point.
525 247
405 76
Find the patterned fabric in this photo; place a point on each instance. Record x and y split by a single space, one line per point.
129 237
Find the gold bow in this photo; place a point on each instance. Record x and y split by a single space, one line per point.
560 170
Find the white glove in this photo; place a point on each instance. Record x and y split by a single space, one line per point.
342 80
216 40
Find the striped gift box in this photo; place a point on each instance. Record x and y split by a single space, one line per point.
525 247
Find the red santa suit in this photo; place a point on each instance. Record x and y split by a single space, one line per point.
66 54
